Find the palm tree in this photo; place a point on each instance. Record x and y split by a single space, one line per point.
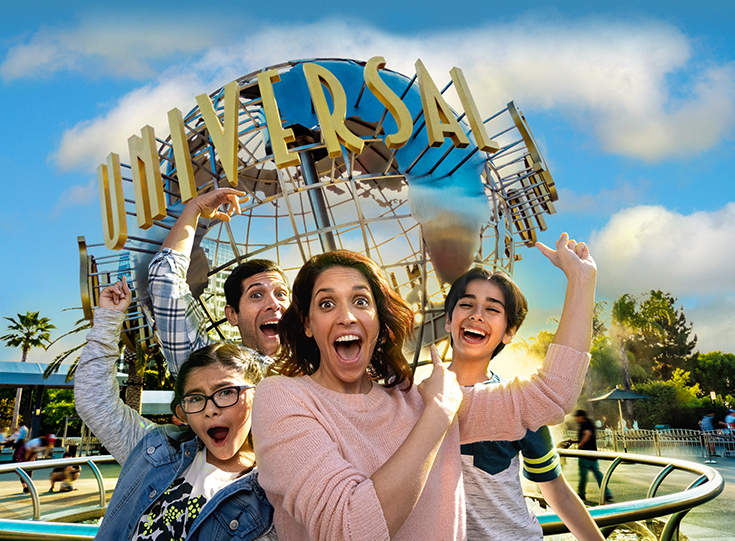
625 321
80 326
629 318
28 331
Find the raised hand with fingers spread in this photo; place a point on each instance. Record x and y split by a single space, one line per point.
209 204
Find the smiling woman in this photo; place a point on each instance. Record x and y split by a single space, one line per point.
344 325
349 448
344 284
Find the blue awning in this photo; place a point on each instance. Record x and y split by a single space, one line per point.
15 374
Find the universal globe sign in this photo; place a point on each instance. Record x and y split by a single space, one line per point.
334 154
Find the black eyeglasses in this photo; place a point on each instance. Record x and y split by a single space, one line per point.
224 398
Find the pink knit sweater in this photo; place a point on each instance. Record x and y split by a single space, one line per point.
316 449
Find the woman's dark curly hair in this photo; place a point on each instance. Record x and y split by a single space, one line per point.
299 354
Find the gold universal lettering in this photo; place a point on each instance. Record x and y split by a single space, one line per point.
224 138
333 126
150 203
279 136
484 142
392 102
440 121
114 223
182 156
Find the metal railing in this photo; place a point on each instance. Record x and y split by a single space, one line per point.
706 486
22 469
672 441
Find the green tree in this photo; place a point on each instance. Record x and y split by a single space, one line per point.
7 398
145 370
157 376
630 319
605 371
715 371
57 405
674 348
28 331
540 344
598 322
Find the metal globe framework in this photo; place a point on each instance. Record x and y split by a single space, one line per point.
355 201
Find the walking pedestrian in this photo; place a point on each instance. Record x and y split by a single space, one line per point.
587 441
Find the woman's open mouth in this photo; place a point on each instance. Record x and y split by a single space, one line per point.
348 347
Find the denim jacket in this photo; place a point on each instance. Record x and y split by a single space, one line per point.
238 511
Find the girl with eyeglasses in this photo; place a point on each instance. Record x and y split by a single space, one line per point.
196 481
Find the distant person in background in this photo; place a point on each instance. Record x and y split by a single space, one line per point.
730 419
19 438
708 423
65 475
587 441
31 449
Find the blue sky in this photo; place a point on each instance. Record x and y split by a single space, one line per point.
633 107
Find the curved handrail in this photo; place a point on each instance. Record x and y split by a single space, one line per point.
708 486
26 530
21 468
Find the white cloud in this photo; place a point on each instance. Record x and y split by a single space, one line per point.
76 195
118 46
714 321
637 86
650 247
688 127
87 144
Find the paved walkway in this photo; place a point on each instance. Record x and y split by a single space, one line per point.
709 522
714 520
14 504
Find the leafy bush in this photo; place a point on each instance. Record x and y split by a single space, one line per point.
674 402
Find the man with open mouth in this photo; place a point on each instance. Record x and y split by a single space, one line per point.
256 291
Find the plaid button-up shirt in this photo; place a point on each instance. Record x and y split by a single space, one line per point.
180 320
